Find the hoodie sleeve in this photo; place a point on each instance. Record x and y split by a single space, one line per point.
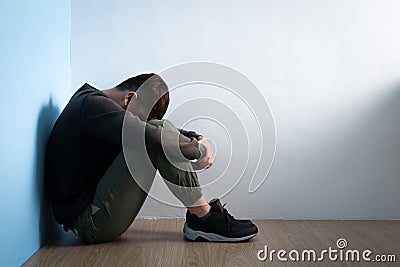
102 118
190 134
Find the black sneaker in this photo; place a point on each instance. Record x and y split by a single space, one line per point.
217 202
218 226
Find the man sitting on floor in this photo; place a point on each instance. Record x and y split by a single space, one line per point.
91 188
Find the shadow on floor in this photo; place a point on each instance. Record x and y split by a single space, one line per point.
47 116
131 236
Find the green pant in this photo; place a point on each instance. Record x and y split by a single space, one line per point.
118 197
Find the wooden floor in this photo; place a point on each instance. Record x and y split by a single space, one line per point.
161 243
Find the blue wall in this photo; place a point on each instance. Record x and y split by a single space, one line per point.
34 84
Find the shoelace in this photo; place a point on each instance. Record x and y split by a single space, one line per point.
230 219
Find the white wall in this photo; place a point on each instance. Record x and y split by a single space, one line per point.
330 71
35 82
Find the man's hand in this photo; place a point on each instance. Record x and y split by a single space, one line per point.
207 160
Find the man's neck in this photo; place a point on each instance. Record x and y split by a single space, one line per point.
115 95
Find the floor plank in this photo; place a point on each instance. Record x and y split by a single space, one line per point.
161 243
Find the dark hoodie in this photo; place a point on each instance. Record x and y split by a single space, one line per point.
84 142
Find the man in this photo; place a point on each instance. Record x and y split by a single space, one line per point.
91 188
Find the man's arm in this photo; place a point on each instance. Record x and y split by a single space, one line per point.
207 153
103 118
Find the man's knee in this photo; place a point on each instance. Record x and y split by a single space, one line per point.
163 123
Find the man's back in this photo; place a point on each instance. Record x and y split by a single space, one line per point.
76 160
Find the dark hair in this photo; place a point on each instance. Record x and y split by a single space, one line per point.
159 90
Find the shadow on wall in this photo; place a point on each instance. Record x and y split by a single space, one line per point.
361 165
373 157
47 116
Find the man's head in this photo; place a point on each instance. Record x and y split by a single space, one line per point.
145 92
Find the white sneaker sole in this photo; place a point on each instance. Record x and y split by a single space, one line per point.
193 235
